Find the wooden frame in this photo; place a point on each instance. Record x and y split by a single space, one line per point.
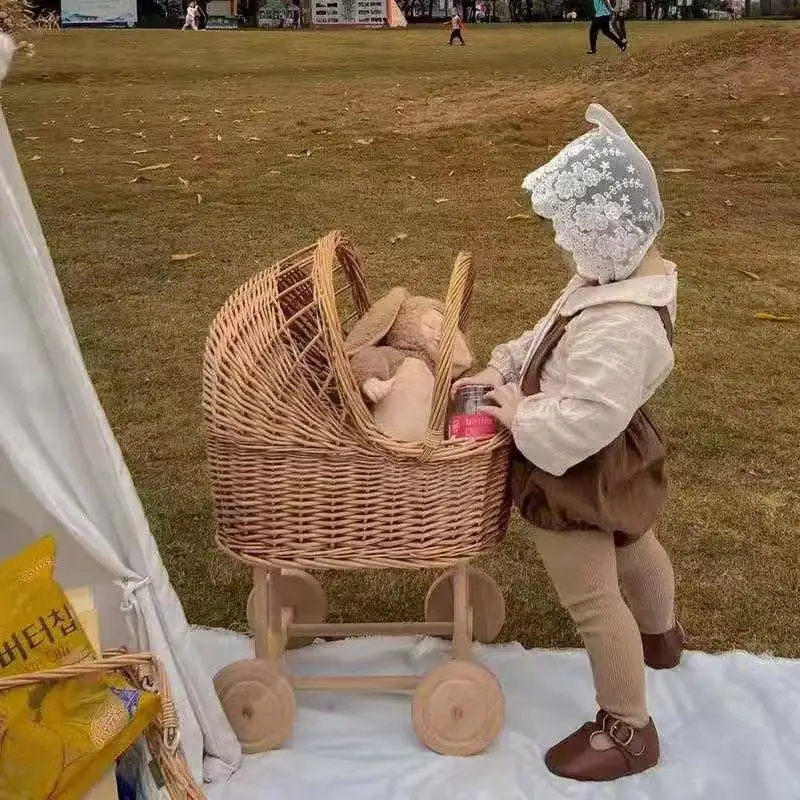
258 694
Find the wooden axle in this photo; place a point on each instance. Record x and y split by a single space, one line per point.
372 629
356 683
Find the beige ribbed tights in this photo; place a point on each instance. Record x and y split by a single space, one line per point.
586 570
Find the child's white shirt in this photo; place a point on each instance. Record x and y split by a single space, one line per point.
610 361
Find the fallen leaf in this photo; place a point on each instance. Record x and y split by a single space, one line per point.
253 138
36 158
441 200
768 317
398 237
729 204
518 216
183 256
61 170
714 130
751 275
199 199
183 181
154 167
687 213
219 137
717 142
196 158
133 163
365 141
677 170
217 111
766 118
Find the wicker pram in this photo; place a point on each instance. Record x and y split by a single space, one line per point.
302 478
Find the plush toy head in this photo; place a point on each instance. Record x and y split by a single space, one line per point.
408 323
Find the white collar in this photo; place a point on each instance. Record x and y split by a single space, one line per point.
648 290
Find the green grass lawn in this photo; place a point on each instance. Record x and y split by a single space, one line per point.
91 109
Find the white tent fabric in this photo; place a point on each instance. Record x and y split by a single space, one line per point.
61 471
729 727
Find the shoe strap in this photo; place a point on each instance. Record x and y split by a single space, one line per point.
627 739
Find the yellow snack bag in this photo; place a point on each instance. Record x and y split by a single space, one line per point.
57 738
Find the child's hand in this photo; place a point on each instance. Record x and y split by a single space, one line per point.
375 389
507 399
486 377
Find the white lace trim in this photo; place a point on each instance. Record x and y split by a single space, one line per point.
601 194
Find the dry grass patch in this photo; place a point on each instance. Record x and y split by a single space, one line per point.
224 111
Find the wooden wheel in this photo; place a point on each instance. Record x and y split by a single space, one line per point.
258 701
302 593
458 709
485 598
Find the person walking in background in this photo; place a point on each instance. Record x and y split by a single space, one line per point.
601 23
456 28
190 23
621 9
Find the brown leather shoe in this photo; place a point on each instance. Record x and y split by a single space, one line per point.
635 750
663 650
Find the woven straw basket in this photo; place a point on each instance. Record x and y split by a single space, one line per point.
301 476
144 671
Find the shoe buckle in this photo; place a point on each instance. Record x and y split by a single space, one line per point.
614 732
623 735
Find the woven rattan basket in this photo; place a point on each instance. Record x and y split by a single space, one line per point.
162 736
301 476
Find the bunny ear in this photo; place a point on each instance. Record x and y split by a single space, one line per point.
375 324
599 116
7 50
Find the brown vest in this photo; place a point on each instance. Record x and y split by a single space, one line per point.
620 490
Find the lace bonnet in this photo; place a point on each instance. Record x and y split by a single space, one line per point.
601 194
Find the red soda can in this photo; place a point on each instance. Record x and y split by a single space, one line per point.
467 421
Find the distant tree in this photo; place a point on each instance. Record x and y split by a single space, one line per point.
14 15
552 9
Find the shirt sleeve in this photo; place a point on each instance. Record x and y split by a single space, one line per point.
614 358
509 358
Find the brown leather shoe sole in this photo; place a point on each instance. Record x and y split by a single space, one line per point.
635 750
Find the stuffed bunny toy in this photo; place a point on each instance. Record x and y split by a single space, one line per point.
393 351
